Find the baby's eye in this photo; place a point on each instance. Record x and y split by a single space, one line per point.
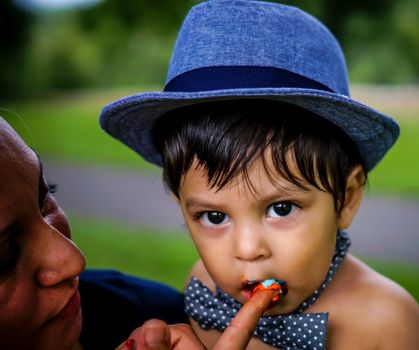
213 218
281 209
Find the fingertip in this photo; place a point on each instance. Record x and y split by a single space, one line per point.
129 344
156 334
154 322
262 298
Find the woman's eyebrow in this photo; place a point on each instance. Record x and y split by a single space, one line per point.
41 167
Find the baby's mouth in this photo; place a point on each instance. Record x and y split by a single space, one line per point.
270 284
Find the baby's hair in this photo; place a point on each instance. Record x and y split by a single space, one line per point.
226 137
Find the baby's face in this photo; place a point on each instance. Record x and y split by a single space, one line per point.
243 234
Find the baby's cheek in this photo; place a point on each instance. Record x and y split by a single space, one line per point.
306 273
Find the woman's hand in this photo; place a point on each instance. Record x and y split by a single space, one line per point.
157 335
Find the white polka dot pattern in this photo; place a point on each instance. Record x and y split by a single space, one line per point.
295 331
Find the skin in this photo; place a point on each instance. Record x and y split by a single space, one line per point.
45 276
38 286
257 243
157 335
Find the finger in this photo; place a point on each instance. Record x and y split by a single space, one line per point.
153 334
129 344
238 334
183 337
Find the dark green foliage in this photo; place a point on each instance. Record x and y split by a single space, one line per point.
15 26
129 43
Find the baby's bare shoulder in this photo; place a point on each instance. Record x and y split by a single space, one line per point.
378 307
199 271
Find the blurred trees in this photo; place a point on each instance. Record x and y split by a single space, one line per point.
129 42
14 36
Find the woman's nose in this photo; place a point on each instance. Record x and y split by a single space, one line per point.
250 244
58 258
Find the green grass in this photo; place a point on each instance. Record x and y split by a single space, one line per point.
168 257
67 127
404 274
161 256
398 172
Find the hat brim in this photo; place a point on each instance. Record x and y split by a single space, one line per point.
131 118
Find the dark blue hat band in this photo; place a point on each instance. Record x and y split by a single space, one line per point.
237 77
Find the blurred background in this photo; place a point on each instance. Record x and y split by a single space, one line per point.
61 61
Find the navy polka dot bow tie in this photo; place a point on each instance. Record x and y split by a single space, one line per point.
294 331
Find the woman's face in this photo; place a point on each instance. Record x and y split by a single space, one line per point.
39 264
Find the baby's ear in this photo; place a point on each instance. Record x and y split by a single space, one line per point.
353 197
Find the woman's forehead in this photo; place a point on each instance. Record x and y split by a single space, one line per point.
15 155
10 138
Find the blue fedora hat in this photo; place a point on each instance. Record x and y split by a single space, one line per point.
233 49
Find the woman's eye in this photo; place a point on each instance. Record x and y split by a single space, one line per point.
9 253
45 198
281 209
213 218
52 188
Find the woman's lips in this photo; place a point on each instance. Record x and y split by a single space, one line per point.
71 308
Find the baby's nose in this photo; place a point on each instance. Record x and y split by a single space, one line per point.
250 245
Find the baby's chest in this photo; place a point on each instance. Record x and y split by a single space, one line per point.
346 332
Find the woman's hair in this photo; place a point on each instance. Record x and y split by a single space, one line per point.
227 137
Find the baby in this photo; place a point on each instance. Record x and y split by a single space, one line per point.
268 157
